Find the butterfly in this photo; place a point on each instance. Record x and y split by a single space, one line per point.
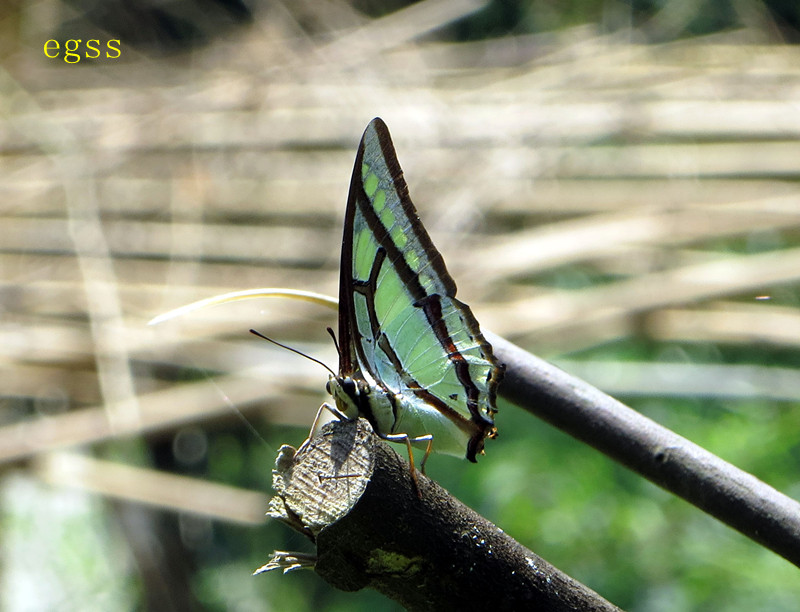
412 359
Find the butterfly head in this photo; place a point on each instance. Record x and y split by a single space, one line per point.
346 392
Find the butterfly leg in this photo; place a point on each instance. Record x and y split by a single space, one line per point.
404 438
333 410
427 452
325 406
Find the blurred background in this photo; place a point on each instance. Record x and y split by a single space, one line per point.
613 185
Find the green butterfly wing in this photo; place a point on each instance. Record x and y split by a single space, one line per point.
415 353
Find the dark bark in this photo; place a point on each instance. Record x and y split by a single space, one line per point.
731 495
354 495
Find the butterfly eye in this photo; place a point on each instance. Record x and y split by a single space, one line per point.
328 387
349 386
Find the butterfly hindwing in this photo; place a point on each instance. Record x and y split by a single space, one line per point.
417 350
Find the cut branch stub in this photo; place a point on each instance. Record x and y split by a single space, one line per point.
354 496
318 484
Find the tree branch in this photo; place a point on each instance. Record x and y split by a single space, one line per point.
354 496
731 495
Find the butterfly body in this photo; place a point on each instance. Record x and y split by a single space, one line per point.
412 358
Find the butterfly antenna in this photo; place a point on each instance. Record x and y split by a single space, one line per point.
294 350
335 343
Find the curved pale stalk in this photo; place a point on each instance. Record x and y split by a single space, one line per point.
247 294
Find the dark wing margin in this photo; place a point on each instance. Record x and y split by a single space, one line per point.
347 318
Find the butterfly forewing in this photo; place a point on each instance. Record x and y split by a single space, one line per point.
419 350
